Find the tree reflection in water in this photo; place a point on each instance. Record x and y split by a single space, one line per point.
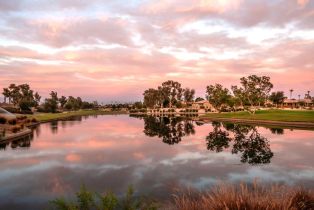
171 130
218 140
23 142
253 147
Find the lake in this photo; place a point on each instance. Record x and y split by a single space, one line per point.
155 155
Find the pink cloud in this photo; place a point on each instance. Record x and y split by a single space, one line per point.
118 52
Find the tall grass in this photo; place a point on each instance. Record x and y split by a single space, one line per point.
221 197
244 197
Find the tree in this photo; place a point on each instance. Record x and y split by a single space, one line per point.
37 98
74 103
277 97
138 105
239 96
62 101
172 91
291 90
152 98
15 94
308 96
255 90
51 104
21 96
7 94
217 95
189 94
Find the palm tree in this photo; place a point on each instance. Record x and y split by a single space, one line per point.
291 90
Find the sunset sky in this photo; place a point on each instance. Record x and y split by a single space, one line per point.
111 50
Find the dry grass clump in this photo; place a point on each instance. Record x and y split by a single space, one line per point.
244 197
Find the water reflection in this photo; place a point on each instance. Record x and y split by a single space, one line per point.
112 152
170 130
247 141
278 131
20 143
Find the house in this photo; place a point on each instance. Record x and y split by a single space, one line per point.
294 103
204 104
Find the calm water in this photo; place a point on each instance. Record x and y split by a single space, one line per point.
152 154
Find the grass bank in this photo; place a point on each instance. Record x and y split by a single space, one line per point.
294 118
45 117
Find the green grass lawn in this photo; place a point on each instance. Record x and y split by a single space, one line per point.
42 117
273 115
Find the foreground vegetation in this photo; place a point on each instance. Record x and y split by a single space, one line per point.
223 196
86 200
43 117
268 115
226 196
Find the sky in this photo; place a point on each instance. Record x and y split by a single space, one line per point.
112 50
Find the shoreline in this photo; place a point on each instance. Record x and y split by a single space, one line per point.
16 136
69 115
57 117
287 124
51 117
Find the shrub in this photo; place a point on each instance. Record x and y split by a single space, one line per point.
87 200
3 120
15 129
34 120
12 121
238 197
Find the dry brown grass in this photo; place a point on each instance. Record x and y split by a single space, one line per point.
244 197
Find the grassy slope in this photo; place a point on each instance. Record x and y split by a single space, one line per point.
42 117
272 115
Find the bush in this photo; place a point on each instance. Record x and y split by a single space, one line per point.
3 120
12 122
226 196
34 120
87 200
15 129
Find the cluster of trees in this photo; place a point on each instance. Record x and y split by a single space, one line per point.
71 103
252 92
22 96
169 94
